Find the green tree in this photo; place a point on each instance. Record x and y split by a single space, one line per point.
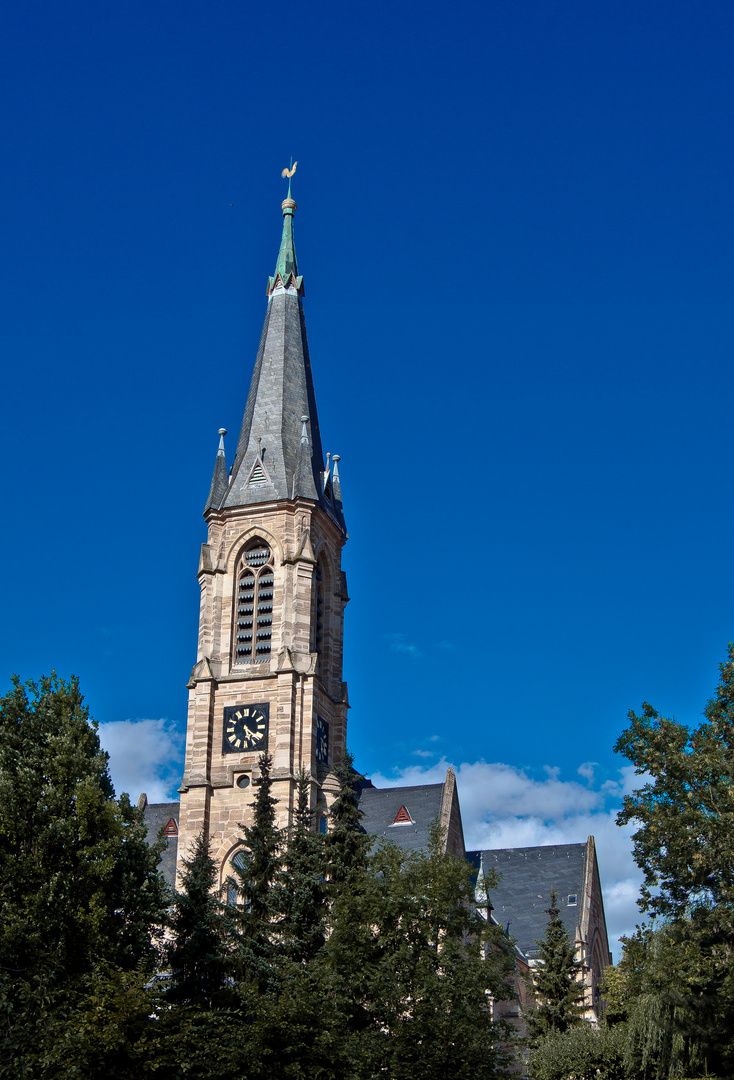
684 844
584 1052
413 969
79 888
78 882
196 951
347 844
258 915
685 841
554 981
622 983
302 886
673 1020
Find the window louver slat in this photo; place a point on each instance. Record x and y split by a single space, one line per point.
255 584
257 476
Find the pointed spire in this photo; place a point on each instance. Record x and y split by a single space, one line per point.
286 268
336 486
220 481
280 427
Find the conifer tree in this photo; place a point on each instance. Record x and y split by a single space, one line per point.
81 899
196 952
554 981
78 882
347 844
302 887
415 968
257 914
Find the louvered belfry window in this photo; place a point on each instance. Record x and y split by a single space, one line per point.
318 609
254 604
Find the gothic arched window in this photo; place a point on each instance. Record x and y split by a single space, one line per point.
254 604
317 609
232 883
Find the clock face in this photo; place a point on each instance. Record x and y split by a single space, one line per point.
245 728
322 741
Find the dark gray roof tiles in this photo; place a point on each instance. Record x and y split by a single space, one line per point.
281 393
520 900
219 483
156 817
381 806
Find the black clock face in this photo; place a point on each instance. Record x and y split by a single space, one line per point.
245 728
322 741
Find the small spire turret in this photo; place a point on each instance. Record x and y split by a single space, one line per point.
220 480
336 485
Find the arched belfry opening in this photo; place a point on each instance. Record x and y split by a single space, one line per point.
254 604
317 608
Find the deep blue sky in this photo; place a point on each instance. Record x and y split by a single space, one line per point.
515 227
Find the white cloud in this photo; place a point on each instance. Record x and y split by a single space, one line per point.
399 643
502 806
145 755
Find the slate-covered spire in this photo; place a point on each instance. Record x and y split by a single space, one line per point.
219 483
279 453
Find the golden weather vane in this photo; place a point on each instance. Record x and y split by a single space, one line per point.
289 172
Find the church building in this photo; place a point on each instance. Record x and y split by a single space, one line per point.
268 672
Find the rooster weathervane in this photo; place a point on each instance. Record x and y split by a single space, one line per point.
289 174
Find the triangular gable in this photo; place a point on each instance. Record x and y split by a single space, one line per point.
171 828
402 817
258 476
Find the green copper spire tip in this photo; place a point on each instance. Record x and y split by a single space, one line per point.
286 266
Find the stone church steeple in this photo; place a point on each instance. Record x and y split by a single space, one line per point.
268 674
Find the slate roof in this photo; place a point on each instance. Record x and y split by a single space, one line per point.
273 433
520 900
380 807
156 817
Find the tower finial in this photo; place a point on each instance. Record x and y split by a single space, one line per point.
222 432
286 268
289 173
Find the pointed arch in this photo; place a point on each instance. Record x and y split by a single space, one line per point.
323 553
240 542
318 613
237 862
253 603
225 856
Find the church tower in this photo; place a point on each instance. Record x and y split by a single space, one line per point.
268 674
